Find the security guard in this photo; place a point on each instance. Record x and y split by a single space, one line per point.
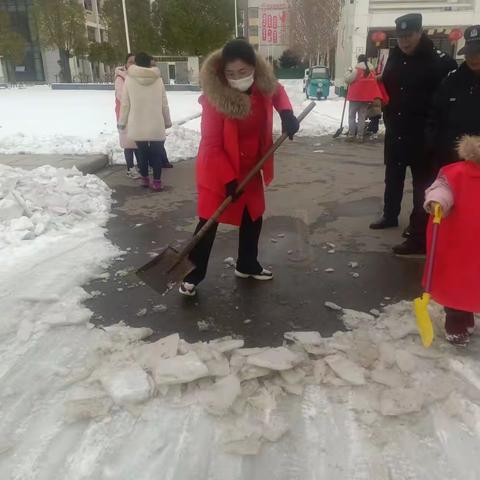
412 74
456 106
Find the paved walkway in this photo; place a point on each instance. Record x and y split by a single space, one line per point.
85 163
324 191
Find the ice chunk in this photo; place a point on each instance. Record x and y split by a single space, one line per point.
220 397
179 369
249 372
390 378
309 338
87 408
293 376
128 385
388 355
354 319
406 362
142 312
375 312
148 354
159 308
333 306
280 358
399 401
319 370
329 270
353 264
346 369
120 333
230 261
227 345
10 208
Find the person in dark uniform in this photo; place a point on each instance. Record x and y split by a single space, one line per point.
412 74
456 106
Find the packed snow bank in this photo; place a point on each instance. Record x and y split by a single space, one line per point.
41 120
81 402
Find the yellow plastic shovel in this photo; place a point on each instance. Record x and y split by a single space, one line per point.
424 322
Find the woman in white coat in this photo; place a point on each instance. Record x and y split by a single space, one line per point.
145 115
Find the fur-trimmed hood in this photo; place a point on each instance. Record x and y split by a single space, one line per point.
469 148
224 98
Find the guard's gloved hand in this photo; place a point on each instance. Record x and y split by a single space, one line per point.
290 124
231 190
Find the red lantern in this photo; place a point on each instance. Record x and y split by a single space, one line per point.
455 35
378 37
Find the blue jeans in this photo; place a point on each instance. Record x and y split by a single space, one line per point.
151 154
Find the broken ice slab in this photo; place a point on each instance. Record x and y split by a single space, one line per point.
406 362
120 333
346 369
333 306
220 397
400 401
142 312
293 376
128 385
148 354
354 319
353 264
87 408
388 377
279 358
309 338
159 308
179 369
250 372
227 345
329 270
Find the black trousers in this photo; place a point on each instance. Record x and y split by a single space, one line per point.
423 177
129 154
458 321
247 249
374 124
151 154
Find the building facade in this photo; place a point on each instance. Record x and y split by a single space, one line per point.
360 18
266 25
42 65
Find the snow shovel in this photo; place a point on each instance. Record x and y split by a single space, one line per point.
340 130
171 265
424 322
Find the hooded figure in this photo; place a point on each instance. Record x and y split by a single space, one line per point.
146 116
240 92
456 275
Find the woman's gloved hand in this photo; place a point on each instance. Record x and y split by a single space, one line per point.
231 190
290 124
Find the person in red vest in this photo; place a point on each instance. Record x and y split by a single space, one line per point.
362 91
128 145
456 275
240 92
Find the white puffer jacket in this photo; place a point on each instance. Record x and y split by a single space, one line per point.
144 111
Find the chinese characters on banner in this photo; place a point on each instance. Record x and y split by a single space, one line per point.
273 19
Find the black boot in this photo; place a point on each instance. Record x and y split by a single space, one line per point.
407 233
383 223
410 247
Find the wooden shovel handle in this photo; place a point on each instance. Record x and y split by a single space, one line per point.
201 233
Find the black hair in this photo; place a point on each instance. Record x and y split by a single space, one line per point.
143 59
363 59
239 49
128 56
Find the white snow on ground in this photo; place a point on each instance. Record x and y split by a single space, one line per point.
41 120
78 402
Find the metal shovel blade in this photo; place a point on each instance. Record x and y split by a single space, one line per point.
165 270
338 132
424 322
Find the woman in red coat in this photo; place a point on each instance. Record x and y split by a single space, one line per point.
239 94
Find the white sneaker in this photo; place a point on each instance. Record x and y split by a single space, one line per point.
187 289
132 173
265 275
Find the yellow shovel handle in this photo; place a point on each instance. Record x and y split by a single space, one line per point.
437 216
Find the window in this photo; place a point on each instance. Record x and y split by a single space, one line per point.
88 5
91 34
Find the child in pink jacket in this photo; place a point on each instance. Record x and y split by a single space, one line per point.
456 275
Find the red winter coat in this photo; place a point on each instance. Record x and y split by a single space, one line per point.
456 275
234 136
361 88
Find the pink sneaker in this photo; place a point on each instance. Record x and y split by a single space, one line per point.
145 182
157 185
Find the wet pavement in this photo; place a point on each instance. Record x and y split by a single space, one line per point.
325 193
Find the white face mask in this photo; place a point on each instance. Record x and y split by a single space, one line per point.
242 84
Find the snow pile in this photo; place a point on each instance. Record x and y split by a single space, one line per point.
82 402
41 120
